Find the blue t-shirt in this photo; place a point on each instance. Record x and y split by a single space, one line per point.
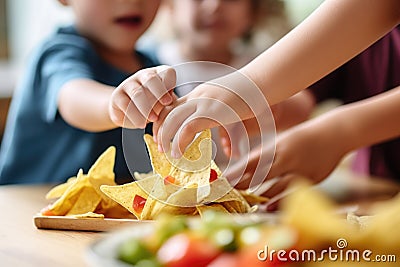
38 145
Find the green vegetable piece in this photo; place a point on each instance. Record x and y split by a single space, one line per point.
132 251
152 262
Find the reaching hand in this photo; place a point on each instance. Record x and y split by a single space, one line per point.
222 101
142 96
308 150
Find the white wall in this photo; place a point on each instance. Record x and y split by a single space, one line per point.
28 23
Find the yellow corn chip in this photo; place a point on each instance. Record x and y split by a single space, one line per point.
253 199
58 190
159 161
88 215
213 207
87 201
125 194
68 199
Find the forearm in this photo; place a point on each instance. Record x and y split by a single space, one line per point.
332 35
84 105
364 123
294 110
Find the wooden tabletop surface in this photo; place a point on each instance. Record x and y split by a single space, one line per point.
22 244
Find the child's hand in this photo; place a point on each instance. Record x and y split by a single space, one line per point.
141 97
222 101
308 150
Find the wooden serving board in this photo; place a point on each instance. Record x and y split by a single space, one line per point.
82 224
108 224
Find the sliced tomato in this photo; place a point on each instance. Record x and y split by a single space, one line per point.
213 175
138 203
46 211
226 260
169 180
184 250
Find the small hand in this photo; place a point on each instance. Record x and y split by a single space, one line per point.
141 97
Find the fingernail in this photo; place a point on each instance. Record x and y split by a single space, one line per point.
174 154
153 117
155 138
160 148
166 99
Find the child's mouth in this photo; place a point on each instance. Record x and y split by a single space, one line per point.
129 21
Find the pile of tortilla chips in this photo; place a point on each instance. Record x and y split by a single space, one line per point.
81 196
189 185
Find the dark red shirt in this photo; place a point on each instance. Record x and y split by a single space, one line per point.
372 72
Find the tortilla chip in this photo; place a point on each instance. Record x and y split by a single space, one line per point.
58 190
124 194
141 176
253 199
213 207
87 201
195 165
158 160
68 199
88 215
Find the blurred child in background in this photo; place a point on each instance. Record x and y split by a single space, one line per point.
221 31
58 120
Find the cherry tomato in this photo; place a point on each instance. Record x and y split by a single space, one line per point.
138 203
184 250
213 175
226 260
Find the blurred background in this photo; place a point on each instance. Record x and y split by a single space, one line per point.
25 23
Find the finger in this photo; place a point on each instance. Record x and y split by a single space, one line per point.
246 166
187 133
161 117
225 141
153 83
170 121
278 187
144 105
168 76
134 117
124 113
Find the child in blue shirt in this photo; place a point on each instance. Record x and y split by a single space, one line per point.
58 120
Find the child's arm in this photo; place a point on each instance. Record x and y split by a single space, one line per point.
92 106
314 148
334 33
337 31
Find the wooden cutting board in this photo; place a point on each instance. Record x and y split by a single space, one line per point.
83 224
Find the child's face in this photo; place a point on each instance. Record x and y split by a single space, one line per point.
114 24
212 22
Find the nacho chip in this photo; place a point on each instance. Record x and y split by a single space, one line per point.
141 176
68 199
125 194
58 190
82 194
88 215
158 160
253 199
87 201
213 207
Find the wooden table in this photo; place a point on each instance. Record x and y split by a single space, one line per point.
22 244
